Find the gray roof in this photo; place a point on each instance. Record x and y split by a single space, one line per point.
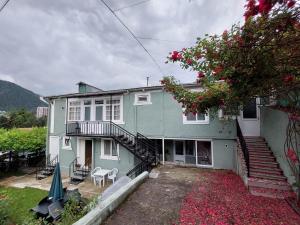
116 92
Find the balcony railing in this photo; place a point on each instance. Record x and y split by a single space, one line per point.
89 128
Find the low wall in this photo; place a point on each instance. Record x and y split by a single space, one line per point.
106 207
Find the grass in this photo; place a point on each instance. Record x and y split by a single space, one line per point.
20 201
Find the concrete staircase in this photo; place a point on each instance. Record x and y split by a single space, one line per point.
265 175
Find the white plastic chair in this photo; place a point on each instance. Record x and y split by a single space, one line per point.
113 174
93 172
98 180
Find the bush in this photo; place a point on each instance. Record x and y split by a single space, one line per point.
4 220
23 140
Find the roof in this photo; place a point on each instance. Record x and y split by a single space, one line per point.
116 92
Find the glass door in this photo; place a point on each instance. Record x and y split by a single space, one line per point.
204 153
179 155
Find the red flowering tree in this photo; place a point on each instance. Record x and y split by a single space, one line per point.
260 58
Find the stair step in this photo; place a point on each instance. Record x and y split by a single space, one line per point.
41 176
266 171
258 154
271 193
261 156
76 177
268 176
280 185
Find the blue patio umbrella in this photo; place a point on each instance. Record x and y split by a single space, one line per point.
56 190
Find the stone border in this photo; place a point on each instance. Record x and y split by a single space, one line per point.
98 215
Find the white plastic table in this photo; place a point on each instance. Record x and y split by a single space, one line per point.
102 173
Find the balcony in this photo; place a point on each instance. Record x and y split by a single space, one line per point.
90 128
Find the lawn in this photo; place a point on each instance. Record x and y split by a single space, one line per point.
20 201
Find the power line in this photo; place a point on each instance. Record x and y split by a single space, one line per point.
157 39
4 4
132 5
132 34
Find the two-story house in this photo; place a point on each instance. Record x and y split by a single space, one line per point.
83 126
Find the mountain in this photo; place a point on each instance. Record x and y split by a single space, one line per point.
13 96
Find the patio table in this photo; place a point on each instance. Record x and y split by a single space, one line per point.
102 173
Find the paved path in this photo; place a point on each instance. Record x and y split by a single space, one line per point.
158 200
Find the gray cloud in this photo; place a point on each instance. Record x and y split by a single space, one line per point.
48 46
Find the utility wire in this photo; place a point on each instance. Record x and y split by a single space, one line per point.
132 34
132 5
4 4
157 39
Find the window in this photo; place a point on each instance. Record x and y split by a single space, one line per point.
74 110
142 99
113 108
109 150
198 118
189 147
99 110
66 143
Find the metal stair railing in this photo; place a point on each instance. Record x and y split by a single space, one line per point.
243 146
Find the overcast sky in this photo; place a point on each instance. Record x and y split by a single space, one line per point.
49 46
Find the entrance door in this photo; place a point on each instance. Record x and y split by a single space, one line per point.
53 146
88 152
179 155
249 118
204 153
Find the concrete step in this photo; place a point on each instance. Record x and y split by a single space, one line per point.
271 193
76 177
280 185
41 176
266 171
268 176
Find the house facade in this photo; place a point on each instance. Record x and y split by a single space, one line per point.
79 122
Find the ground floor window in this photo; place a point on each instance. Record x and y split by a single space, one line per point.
109 149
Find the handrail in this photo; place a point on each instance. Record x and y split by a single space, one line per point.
72 165
138 169
243 146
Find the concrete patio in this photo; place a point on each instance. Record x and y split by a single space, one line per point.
86 188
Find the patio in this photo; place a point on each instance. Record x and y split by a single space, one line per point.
86 188
191 196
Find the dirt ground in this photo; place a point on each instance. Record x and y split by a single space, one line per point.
158 200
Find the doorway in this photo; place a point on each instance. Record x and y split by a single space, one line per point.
204 153
179 153
88 152
249 118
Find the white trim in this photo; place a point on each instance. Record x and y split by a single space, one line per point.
136 97
103 156
163 150
52 106
212 155
205 121
64 146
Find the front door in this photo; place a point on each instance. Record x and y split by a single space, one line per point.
88 152
249 118
179 155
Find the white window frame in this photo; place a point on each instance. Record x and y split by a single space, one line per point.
109 157
64 146
205 121
81 110
93 108
136 98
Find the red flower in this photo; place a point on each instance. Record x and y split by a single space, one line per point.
176 56
218 70
292 155
200 98
288 78
189 61
198 55
201 75
291 3
264 6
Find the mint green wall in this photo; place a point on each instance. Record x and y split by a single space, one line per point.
273 129
163 118
125 163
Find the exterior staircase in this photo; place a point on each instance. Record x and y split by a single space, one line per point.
265 175
140 146
46 171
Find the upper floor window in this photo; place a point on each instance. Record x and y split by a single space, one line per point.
74 110
142 99
198 118
113 109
